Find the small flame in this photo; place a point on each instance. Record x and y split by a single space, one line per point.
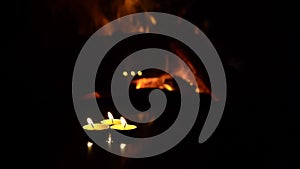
138 86
89 144
168 87
140 73
123 121
90 122
125 73
132 73
110 116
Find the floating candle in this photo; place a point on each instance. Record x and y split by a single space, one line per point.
111 120
123 125
94 126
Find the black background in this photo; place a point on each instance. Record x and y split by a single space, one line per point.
256 43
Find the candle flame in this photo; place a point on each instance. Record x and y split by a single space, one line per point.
89 144
110 116
90 122
123 121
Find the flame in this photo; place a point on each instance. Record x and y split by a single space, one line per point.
125 73
90 15
168 87
140 73
94 14
154 82
90 122
123 122
181 72
110 116
89 144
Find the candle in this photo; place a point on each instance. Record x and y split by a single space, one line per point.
123 125
111 120
94 126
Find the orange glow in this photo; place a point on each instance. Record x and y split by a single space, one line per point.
181 72
168 87
154 82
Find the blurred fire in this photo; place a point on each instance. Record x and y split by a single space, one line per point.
154 82
90 15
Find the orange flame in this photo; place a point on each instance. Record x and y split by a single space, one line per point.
90 15
154 82
181 72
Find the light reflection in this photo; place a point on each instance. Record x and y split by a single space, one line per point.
109 141
122 147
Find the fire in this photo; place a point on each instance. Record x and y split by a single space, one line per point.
94 14
89 144
154 82
110 116
90 15
123 121
168 87
90 122
181 72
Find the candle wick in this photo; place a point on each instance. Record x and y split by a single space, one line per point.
92 125
124 125
112 120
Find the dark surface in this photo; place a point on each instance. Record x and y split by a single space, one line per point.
246 36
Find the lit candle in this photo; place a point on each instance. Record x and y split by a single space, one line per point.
123 125
111 120
94 126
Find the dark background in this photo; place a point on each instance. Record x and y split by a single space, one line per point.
257 44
